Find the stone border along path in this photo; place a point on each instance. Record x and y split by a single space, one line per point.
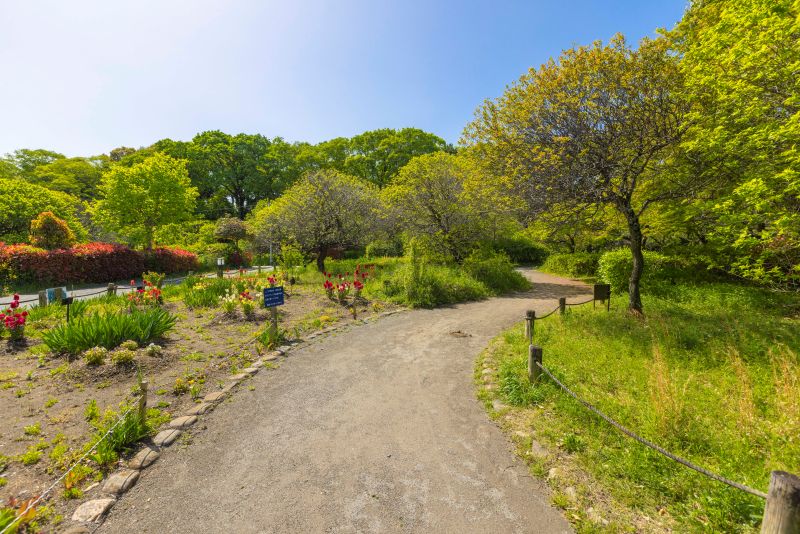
118 483
379 430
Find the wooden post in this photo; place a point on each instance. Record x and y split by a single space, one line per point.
534 356
42 298
112 289
220 273
530 318
782 513
562 305
143 400
273 311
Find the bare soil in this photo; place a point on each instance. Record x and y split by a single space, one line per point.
203 350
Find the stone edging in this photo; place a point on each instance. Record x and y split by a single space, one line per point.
118 483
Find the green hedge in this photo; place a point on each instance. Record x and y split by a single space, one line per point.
615 268
495 271
521 250
578 264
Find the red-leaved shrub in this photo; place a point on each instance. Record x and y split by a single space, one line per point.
88 262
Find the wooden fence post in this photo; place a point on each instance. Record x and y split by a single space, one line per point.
562 305
530 318
782 512
112 289
534 357
42 298
143 400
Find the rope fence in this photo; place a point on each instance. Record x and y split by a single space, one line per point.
782 511
31 505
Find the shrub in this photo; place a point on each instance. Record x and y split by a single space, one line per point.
129 345
615 268
21 201
495 271
123 356
427 286
95 355
50 232
578 264
170 260
522 250
154 350
108 330
384 249
89 262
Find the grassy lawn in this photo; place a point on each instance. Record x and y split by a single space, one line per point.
711 374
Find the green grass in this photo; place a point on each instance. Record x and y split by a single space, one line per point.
108 330
712 374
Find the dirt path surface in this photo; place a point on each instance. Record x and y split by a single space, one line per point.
376 429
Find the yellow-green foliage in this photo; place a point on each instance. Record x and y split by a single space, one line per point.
711 374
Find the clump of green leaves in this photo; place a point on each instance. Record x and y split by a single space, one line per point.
123 356
33 430
109 330
95 355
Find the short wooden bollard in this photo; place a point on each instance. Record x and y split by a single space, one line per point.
782 513
562 305
143 400
530 318
42 298
112 289
534 357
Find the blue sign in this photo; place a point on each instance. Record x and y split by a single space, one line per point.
51 294
273 296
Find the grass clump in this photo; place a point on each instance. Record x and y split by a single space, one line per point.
109 330
711 373
496 271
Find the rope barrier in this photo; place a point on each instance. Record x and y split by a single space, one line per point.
580 303
537 318
649 443
38 499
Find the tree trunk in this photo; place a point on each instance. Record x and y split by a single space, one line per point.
635 230
321 259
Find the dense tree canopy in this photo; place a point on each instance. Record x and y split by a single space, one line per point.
135 201
21 202
740 60
594 128
323 210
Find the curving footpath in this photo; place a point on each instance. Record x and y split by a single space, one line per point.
374 429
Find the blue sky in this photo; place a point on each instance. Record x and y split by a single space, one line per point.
84 76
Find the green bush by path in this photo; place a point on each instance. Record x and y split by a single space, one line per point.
522 250
495 271
614 267
578 264
428 286
108 330
711 374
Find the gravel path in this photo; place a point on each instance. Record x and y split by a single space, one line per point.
375 429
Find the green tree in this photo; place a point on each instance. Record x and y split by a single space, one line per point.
324 209
740 60
596 127
76 176
27 160
440 199
50 232
136 201
21 202
377 155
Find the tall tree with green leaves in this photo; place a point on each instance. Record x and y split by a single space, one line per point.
323 210
76 176
138 200
740 60
21 202
595 127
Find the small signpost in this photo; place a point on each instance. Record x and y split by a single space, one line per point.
602 292
273 297
67 301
